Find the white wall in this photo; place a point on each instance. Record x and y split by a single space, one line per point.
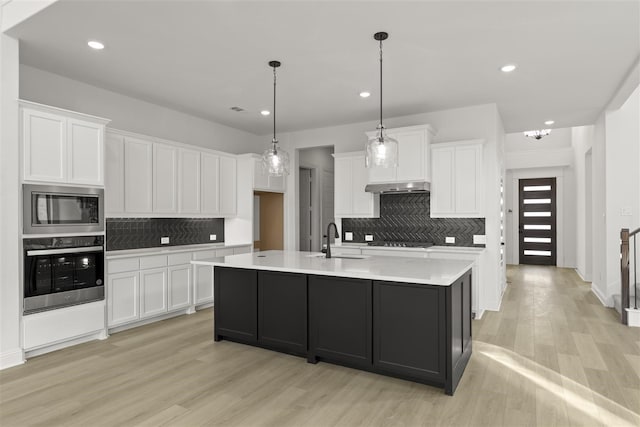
622 173
599 273
475 122
134 115
528 158
320 159
10 256
582 141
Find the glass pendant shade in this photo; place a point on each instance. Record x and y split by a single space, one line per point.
275 161
382 151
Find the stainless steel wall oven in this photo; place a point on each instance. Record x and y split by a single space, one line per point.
62 271
49 209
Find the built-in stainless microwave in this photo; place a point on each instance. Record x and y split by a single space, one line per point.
59 209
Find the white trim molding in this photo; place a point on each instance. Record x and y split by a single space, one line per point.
11 358
607 302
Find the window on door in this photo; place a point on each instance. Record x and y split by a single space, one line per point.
538 221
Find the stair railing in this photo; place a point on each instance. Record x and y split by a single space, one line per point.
625 235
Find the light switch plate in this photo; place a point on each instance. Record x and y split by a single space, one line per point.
348 236
368 237
626 211
449 239
213 237
479 239
164 240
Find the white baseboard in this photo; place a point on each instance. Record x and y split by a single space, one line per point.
11 358
633 317
581 275
64 344
604 300
120 328
478 314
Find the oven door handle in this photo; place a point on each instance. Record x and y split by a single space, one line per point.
65 251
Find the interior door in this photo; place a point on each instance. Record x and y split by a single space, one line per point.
537 221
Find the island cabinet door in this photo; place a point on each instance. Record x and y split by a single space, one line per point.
409 330
340 320
282 311
459 333
236 304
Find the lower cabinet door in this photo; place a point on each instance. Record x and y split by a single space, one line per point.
203 284
236 311
153 292
340 320
179 292
123 298
409 330
282 311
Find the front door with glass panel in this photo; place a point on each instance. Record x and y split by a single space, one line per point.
538 221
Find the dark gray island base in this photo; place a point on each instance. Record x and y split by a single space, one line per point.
417 332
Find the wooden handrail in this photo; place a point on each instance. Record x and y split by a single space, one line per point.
624 274
634 232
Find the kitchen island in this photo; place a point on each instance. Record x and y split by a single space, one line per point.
403 317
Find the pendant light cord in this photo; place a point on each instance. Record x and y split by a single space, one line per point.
380 84
274 105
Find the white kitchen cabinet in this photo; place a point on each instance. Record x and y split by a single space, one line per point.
351 201
262 181
413 156
189 182
114 174
476 273
210 183
165 178
228 186
153 292
85 152
179 286
123 298
457 188
203 275
62 146
138 175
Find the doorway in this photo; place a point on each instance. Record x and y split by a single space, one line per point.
537 222
268 221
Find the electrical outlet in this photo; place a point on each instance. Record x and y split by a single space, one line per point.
213 237
479 239
348 236
449 239
164 240
368 237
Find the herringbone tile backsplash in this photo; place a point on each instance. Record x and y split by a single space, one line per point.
134 233
405 218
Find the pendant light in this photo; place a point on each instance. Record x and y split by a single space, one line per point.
275 161
382 151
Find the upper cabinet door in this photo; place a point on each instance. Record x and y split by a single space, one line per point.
228 187
378 174
342 194
85 152
443 183
210 183
260 177
138 175
45 146
114 174
412 162
165 178
468 178
189 182
363 203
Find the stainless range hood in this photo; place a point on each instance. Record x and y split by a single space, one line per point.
399 187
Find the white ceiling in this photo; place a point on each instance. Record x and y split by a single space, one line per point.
203 57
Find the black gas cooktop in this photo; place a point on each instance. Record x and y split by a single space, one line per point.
401 244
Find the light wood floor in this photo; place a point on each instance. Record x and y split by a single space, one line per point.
552 356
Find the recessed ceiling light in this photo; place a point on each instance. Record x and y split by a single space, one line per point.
549 122
265 112
365 94
94 44
508 68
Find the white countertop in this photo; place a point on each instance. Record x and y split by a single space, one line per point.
450 249
170 249
396 269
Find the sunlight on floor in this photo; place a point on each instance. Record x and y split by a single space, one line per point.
572 393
